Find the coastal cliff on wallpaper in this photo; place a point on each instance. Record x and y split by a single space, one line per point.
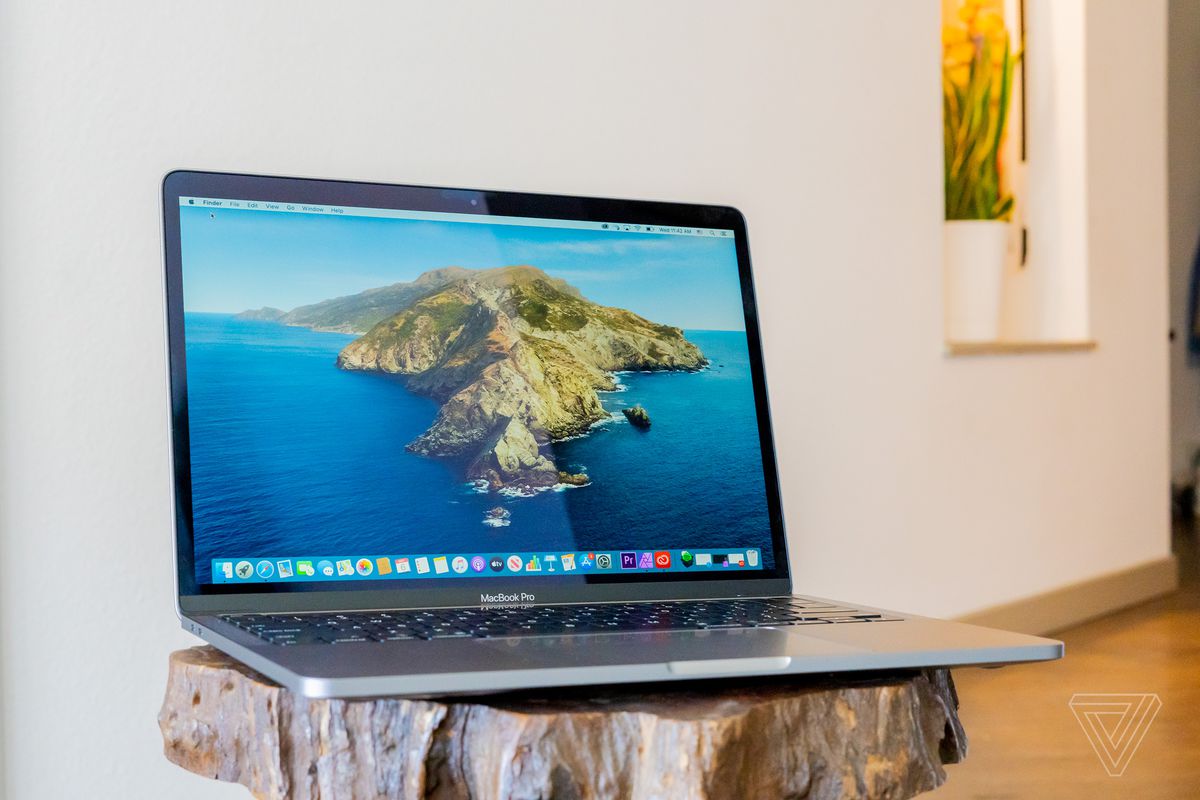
515 358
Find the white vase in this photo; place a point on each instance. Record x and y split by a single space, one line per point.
973 258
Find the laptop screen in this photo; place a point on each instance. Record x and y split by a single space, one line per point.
382 397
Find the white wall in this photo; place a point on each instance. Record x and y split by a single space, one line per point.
936 485
1183 146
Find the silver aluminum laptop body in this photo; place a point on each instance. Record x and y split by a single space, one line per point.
413 401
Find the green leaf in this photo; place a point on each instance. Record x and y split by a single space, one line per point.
974 117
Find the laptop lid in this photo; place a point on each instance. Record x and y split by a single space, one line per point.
401 396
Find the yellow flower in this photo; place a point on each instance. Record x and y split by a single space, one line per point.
961 53
966 12
988 24
953 34
959 75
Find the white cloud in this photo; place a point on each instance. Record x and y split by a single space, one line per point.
591 274
618 247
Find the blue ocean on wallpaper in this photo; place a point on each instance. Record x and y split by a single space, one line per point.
292 456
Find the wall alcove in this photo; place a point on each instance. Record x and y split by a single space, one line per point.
1041 297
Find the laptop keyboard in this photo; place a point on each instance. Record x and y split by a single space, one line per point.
448 623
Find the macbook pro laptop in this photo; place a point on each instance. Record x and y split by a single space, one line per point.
434 441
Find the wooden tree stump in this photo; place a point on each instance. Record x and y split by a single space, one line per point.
820 737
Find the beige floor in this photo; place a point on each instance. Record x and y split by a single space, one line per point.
1024 740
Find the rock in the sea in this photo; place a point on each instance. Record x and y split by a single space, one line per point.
497 517
637 416
499 512
576 479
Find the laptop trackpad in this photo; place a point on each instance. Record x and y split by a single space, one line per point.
771 647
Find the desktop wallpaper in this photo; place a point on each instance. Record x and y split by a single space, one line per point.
364 384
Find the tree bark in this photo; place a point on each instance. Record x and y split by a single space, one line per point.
846 736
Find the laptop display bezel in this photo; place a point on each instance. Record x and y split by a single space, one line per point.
194 597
